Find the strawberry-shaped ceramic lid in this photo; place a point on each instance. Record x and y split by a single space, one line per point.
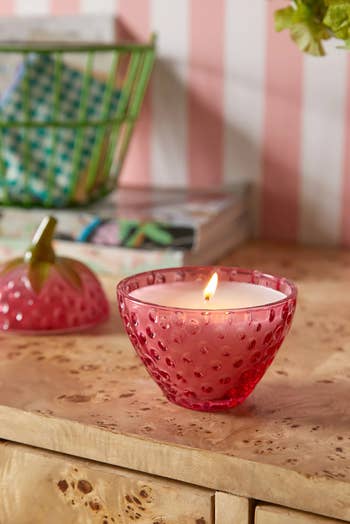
42 292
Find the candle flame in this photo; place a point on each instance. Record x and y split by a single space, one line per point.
210 289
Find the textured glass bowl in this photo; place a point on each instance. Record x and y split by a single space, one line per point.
201 359
59 308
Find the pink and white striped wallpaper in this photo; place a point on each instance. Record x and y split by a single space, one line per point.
230 99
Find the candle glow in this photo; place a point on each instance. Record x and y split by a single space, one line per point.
209 290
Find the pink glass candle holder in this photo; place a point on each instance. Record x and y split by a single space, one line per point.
204 359
42 293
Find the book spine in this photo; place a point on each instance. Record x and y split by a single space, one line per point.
110 261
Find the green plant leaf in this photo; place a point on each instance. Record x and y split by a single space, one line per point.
309 39
337 18
284 18
304 19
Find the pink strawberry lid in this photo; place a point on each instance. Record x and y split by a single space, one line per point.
42 292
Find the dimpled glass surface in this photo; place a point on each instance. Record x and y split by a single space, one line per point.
58 308
201 359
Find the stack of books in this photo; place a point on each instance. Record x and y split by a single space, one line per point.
136 229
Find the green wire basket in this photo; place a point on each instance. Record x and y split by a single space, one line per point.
66 119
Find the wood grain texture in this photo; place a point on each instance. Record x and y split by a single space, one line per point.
230 509
39 487
89 396
277 515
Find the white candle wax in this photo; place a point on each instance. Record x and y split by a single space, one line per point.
189 295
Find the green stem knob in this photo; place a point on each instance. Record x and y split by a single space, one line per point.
41 249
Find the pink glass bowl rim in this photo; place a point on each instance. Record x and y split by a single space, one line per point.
126 286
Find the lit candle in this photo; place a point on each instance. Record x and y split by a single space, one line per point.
206 338
190 295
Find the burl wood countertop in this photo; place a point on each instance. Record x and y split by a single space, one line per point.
289 443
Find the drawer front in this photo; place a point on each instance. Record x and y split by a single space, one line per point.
40 487
266 514
230 509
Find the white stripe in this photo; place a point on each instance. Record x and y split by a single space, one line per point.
244 91
98 6
32 7
322 147
169 103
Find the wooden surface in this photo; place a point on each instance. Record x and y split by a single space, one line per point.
39 487
277 515
230 509
89 396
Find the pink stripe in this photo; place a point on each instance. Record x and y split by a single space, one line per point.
65 7
134 18
7 7
206 92
282 133
345 230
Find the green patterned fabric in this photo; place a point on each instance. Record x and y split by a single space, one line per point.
38 158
